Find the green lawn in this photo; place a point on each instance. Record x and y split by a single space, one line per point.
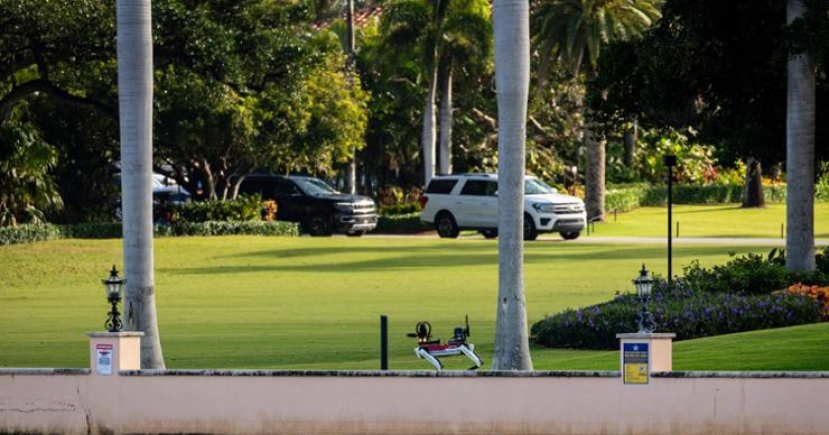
313 303
720 220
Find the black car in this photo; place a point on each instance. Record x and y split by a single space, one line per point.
319 209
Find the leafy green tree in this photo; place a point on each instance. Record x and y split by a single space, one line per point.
257 90
568 32
443 33
51 49
26 188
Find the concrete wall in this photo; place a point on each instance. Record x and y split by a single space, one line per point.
79 402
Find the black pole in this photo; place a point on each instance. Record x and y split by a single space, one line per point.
670 161
384 342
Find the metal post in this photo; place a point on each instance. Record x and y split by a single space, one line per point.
384 342
669 161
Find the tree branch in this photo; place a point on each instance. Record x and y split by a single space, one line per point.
18 93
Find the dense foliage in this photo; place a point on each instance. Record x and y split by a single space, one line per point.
745 294
248 84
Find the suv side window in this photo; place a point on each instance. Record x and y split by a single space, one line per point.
441 186
480 188
285 188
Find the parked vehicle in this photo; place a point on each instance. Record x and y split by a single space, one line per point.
319 209
165 193
470 201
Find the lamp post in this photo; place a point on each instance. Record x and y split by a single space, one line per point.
644 286
113 286
669 161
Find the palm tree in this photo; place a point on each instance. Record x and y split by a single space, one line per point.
445 32
512 75
800 155
135 98
466 39
568 32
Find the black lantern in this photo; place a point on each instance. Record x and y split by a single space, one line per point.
113 285
644 287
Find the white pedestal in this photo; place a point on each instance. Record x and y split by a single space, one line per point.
657 353
111 352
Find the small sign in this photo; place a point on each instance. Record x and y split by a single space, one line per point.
635 364
103 356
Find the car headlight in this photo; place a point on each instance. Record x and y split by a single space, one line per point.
544 207
345 207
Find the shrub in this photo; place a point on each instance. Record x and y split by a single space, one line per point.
820 294
750 274
222 228
243 208
92 230
399 209
394 200
400 224
687 313
28 233
624 198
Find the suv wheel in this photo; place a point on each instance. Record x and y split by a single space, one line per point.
570 235
490 234
319 225
530 233
446 226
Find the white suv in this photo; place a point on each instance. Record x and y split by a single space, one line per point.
469 201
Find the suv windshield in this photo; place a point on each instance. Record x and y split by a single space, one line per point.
315 187
534 186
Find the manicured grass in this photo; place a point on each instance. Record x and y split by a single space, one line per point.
797 348
314 303
720 220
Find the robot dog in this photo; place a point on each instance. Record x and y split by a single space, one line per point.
430 350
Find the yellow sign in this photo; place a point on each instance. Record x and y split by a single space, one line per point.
636 373
635 364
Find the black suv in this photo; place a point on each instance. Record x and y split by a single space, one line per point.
318 208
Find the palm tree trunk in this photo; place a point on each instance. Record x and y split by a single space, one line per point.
512 74
445 143
800 156
135 91
594 176
429 132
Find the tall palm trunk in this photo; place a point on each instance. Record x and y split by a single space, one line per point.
512 74
135 95
351 168
428 136
445 130
800 155
594 176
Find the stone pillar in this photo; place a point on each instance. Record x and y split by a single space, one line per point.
111 352
660 349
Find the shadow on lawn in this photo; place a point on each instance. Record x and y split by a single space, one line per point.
434 256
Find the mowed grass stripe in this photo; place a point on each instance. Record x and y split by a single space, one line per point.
254 302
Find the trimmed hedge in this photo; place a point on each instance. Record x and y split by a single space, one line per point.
400 224
629 197
28 233
222 228
112 230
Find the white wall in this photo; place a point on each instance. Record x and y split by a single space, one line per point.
75 402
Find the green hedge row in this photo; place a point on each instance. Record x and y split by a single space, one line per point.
400 224
112 230
629 197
